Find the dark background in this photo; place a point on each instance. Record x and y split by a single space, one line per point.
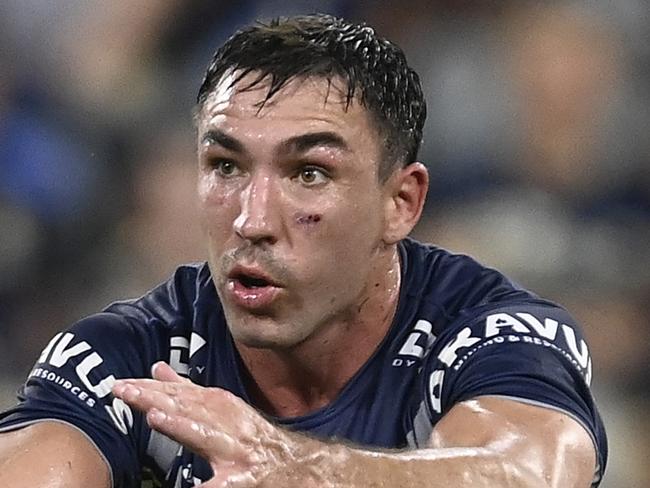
537 143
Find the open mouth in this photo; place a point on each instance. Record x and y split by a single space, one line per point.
251 277
251 288
252 281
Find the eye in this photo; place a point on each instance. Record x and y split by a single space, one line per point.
312 176
225 167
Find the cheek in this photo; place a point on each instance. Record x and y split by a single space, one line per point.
217 204
210 193
307 220
336 220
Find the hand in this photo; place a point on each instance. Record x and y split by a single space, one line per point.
241 446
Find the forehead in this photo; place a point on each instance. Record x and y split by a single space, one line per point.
303 104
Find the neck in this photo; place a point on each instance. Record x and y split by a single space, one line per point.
298 380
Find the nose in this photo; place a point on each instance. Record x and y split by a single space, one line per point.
258 213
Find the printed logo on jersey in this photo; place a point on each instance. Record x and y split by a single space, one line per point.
184 475
188 476
181 350
500 328
61 349
417 345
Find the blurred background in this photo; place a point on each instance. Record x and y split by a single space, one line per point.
538 144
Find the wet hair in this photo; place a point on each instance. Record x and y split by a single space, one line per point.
374 70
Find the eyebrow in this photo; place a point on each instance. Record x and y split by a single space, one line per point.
300 143
216 136
305 142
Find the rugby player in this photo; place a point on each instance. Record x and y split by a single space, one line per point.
319 346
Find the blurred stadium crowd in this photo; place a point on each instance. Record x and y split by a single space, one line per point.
538 144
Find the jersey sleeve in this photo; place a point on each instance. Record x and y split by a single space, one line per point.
532 353
71 383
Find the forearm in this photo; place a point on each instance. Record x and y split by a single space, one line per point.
484 443
310 463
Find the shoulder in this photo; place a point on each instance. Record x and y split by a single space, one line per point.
145 323
542 324
449 285
168 302
490 337
472 303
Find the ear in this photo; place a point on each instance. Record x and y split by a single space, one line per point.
406 190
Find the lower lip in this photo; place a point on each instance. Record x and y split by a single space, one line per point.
251 298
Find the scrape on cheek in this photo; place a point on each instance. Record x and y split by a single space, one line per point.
308 219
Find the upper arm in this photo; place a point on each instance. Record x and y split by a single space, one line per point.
516 376
70 384
52 455
546 442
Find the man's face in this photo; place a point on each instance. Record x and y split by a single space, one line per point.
291 206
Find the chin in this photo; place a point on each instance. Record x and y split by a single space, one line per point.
264 342
262 336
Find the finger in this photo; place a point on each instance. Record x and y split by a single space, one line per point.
162 371
147 396
196 402
168 387
131 387
207 441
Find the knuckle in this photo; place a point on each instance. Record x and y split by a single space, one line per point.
183 404
219 395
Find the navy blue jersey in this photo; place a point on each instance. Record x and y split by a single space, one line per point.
460 331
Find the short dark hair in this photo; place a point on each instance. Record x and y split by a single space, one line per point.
321 45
